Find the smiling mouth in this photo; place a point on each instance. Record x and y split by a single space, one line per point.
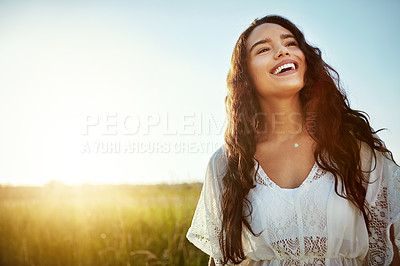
284 68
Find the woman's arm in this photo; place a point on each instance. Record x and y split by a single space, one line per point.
396 258
212 263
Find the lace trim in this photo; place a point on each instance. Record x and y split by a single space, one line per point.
290 250
311 262
315 247
386 203
263 179
319 173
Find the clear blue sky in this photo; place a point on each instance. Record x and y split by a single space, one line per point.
76 77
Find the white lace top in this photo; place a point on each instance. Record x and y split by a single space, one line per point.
309 225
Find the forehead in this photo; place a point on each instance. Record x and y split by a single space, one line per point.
266 30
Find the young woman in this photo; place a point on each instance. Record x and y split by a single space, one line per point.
302 179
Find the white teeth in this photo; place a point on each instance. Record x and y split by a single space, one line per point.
289 65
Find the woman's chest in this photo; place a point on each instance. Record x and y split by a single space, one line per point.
287 211
288 163
310 221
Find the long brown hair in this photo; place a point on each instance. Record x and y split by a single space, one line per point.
336 129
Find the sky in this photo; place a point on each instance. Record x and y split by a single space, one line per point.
132 92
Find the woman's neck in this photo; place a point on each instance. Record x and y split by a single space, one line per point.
282 119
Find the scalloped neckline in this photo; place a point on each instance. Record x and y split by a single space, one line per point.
269 181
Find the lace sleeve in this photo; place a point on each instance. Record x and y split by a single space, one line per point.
205 229
383 197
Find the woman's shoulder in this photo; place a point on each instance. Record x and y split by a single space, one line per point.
372 159
382 174
220 156
218 162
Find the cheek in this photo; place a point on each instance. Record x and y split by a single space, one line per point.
303 59
252 72
256 70
304 67
304 63
304 74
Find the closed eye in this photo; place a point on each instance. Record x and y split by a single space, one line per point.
291 44
262 50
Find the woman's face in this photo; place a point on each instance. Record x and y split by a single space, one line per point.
275 63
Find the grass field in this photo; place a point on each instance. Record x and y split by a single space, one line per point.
98 225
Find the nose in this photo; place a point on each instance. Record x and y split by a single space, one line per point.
281 52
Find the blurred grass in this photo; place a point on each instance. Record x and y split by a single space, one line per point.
98 225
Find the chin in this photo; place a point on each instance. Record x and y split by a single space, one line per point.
282 89
293 88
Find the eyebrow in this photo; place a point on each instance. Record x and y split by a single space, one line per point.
267 40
